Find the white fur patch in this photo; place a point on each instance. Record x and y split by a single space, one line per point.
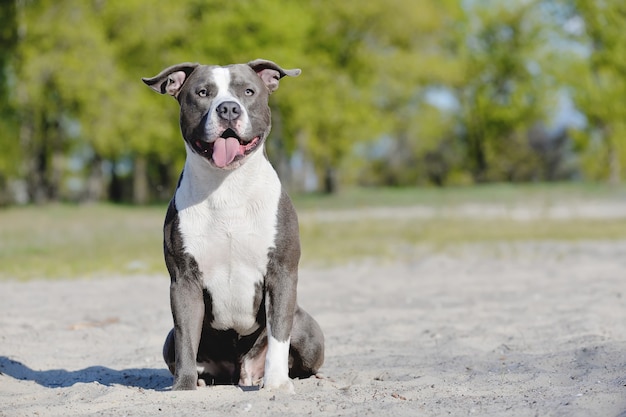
277 364
228 224
221 77
277 358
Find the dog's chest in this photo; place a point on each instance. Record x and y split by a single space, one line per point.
229 235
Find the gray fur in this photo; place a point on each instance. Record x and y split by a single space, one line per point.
193 347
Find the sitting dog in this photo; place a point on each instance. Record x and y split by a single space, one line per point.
231 237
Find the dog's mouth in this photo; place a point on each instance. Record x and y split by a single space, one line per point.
227 148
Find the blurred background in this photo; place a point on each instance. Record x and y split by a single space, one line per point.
416 125
392 93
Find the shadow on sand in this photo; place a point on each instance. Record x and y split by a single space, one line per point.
147 378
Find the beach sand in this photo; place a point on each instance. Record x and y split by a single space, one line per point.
524 329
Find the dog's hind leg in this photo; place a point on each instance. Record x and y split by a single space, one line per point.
253 361
215 363
306 352
169 352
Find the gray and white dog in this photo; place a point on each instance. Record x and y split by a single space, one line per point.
231 238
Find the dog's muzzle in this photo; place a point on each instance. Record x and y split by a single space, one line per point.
227 148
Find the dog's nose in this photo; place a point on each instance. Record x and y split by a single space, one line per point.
229 110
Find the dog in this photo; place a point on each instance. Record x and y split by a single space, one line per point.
231 239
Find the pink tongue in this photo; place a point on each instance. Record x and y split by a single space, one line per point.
225 151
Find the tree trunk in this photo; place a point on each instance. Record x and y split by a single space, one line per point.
5 193
115 186
278 151
615 167
613 155
35 162
94 190
141 191
330 180
477 156
57 166
165 186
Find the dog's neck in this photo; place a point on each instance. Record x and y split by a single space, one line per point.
219 188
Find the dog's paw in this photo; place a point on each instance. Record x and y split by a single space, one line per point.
185 383
279 385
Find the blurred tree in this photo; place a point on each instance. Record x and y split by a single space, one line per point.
8 123
144 38
464 88
392 92
335 107
370 59
416 66
504 90
64 76
599 85
79 85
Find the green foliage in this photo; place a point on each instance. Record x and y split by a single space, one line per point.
600 88
70 88
64 76
8 122
501 94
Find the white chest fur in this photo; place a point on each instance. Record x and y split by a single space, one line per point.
228 224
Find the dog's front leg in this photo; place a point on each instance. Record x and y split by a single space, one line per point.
280 304
281 281
188 312
187 303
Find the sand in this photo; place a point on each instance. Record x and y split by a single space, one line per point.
526 329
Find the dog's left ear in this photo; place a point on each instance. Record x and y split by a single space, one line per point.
171 79
271 73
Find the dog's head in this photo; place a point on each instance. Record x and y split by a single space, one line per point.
224 112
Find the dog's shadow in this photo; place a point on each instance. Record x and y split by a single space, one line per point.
146 378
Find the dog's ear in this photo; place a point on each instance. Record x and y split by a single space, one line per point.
271 73
171 79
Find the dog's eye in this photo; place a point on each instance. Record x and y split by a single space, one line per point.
249 92
202 93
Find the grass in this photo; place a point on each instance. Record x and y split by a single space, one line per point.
64 241
70 241
398 239
505 193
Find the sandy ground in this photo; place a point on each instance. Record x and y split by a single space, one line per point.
532 329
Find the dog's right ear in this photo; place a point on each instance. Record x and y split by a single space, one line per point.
171 79
270 72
